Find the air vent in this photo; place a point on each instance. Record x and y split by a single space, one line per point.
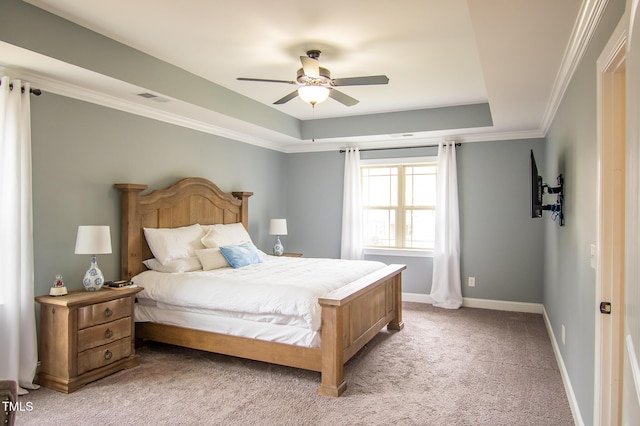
153 97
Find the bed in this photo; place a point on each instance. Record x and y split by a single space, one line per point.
350 315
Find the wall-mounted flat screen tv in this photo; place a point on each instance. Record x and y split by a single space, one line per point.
536 188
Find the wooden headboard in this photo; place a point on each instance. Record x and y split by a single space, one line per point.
188 201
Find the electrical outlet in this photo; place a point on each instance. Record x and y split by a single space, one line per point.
563 334
472 281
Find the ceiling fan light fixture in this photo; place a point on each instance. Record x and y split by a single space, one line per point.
315 84
313 94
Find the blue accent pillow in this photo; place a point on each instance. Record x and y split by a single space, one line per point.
241 255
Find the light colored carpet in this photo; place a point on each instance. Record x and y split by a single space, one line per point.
462 367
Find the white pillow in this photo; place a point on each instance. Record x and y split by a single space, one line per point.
225 235
212 258
168 244
187 264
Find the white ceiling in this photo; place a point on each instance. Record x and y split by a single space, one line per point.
512 54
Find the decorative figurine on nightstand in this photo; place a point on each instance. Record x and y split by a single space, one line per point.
58 288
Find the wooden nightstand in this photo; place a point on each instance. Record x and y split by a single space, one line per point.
292 254
85 336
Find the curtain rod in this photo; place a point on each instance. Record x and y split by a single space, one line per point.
342 151
36 92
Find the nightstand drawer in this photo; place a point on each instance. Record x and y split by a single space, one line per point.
103 355
102 334
104 312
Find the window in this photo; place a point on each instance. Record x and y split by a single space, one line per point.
398 202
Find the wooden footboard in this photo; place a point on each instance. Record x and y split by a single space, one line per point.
351 316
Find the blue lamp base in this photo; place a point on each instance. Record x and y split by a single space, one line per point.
93 278
278 248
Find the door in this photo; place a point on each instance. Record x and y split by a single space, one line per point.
610 265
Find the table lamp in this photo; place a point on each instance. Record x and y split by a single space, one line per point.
278 227
93 240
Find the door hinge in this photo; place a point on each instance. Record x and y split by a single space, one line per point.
605 308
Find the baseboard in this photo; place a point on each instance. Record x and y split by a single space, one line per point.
496 305
571 396
501 305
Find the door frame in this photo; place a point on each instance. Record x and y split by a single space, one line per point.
610 248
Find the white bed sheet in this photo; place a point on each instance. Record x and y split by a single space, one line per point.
229 326
281 290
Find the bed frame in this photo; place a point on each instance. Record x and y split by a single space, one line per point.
351 315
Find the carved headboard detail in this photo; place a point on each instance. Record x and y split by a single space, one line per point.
188 201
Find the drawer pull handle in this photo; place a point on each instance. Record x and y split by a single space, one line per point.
108 312
108 334
108 354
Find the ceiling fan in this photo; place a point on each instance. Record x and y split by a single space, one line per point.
316 83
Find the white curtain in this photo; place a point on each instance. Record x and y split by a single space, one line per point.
352 207
18 356
446 290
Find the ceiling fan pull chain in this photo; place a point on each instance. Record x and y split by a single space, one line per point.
313 122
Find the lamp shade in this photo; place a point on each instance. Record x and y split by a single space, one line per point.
313 94
278 227
93 240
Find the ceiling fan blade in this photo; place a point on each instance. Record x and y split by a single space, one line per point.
310 66
361 81
286 98
342 98
266 80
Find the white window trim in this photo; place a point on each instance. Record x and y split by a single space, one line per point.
384 251
388 251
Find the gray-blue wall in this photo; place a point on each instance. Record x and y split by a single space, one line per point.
569 281
80 150
500 244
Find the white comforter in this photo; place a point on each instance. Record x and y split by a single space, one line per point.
281 290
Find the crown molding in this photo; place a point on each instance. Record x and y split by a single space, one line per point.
147 110
417 142
585 26
198 120
101 98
